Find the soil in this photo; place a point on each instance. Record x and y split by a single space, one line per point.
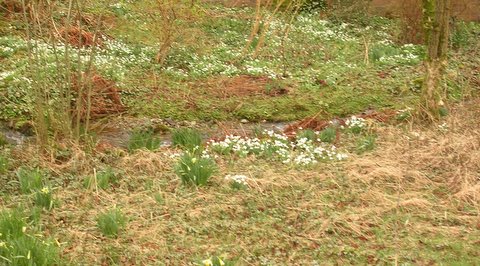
245 85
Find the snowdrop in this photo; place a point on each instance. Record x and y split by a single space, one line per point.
278 147
240 179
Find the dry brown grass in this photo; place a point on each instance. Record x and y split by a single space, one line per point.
100 97
419 188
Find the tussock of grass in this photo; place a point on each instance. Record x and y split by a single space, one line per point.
187 138
31 180
111 222
193 169
44 198
103 179
143 139
329 134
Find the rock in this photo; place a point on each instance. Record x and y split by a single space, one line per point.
244 121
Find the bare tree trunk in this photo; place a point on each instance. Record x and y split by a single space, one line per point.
436 18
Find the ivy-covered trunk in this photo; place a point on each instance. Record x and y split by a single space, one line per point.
436 16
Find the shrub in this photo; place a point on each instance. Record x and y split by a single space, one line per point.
195 170
143 139
187 138
31 180
17 247
102 179
111 222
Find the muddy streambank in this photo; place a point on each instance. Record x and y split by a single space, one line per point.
118 131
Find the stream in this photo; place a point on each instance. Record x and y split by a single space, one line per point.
118 133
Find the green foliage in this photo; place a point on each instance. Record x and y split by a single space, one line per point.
307 6
143 139
217 261
159 198
308 134
329 135
461 35
365 144
44 198
238 186
3 140
187 138
377 52
443 111
404 115
195 170
11 224
31 180
19 247
4 164
111 222
102 179
313 5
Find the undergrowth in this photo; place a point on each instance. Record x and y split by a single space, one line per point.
20 244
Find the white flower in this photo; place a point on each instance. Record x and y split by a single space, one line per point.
241 179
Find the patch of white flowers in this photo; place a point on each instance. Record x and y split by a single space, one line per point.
240 179
278 147
322 29
355 123
443 127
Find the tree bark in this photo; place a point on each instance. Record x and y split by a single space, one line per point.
436 16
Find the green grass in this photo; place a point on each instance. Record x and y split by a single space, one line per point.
31 179
3 140
195 170
187 138
4 164
328 135
103 179
143 139
44 198
111 223
19 245
365 144
307 134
